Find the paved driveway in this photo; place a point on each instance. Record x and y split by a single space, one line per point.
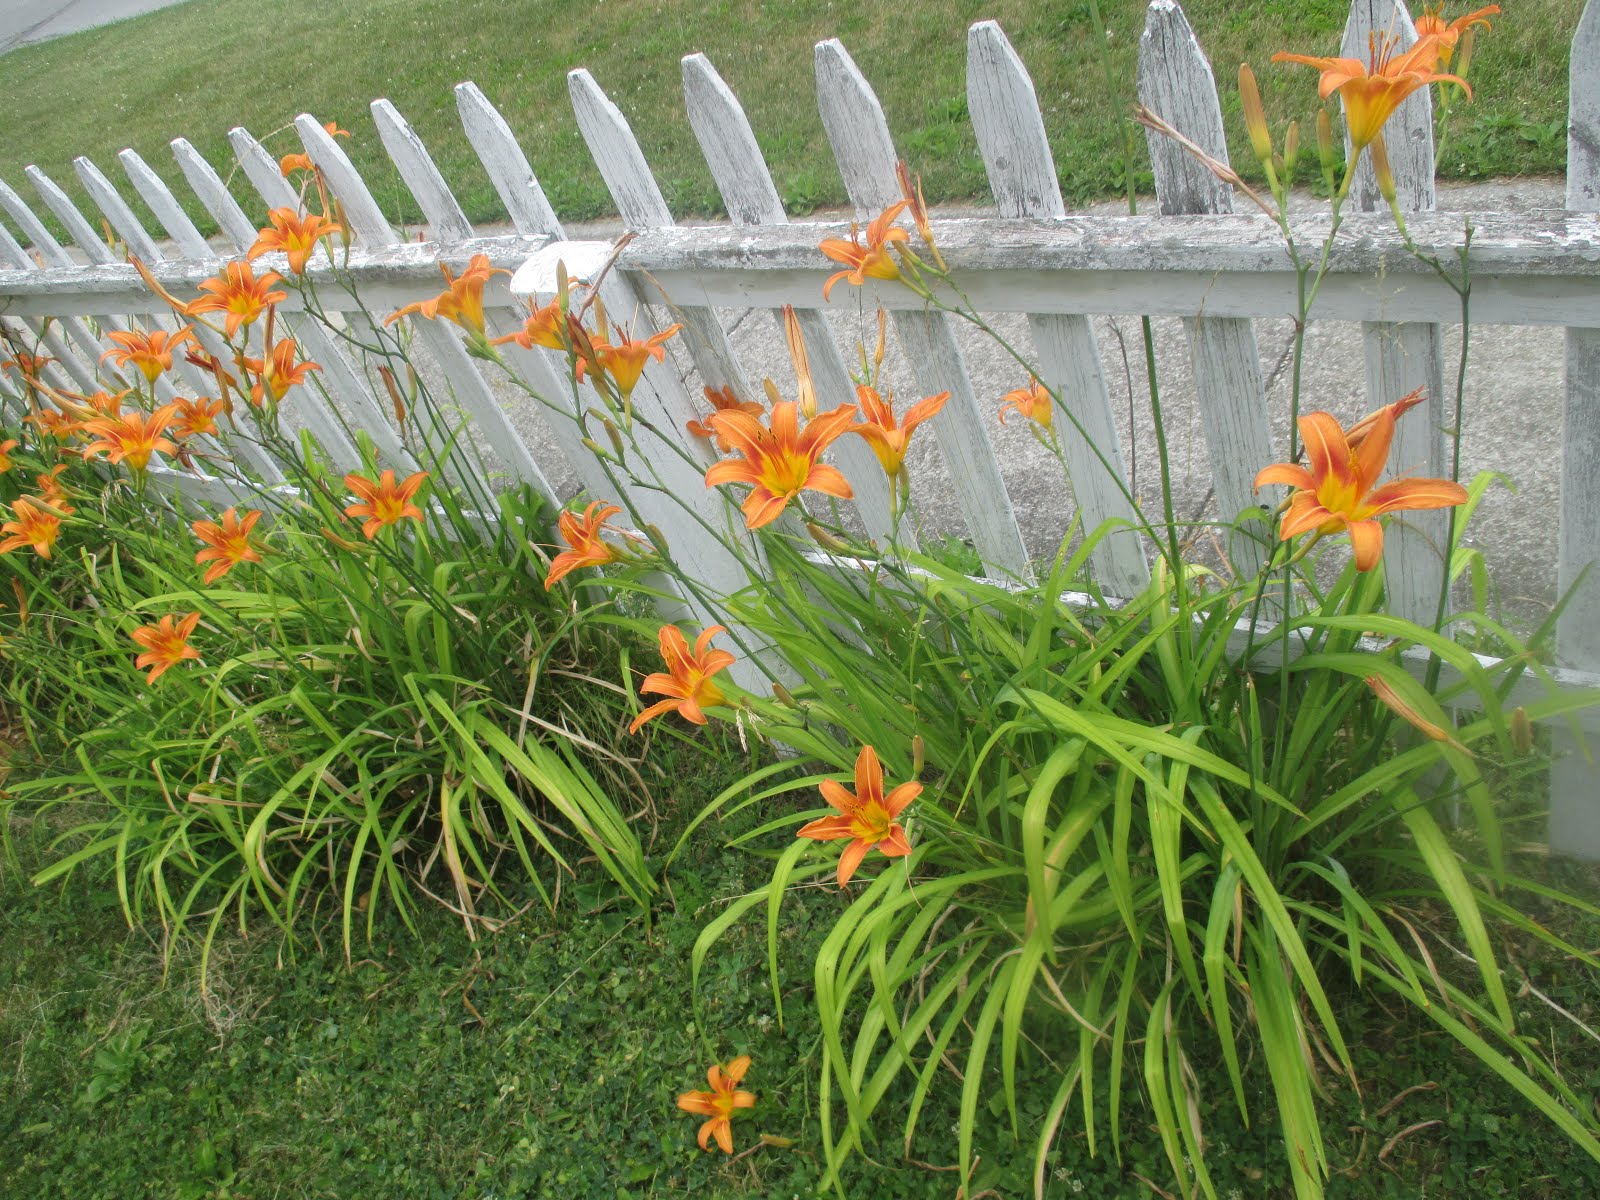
24 21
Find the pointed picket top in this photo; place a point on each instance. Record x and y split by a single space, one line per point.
1408 135
110 202
160 200
366 220
40 238
87 238
214 196
1583 114
730 146
1005 115
421 175
853 117
616 152
1176 83
12 253
261 169
502 157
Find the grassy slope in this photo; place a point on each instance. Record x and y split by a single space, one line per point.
199 69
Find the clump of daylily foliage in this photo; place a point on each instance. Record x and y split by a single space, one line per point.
1090 843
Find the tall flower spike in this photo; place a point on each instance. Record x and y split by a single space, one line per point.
872 259
385 502
239 294
687 680
718 1104
779 461
866 817
165 644
889 440
1337 490
587 547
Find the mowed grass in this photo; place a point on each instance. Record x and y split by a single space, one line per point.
199 69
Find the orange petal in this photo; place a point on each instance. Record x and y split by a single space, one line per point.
1415 494
1366 539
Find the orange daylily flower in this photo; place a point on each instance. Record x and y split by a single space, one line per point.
545 327
133 437
150 352
867 816
277 374
294 235
227 544
1449 33
1337 491
107 404
51 494
1372 90
54 423
780 460
687 681
6 447
722 400
624 360
238 293
197 417
31 526
1358 432
871 259
28 365
461 301
718 1104
889 441
1032 402
165 645
384 502
583 535
291 163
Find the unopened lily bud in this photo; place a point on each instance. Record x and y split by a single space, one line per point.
614 434
1291 152
1382 171
595 448
657 538
883 334
1255 116
783 695
395 398
1325 148
1468 40
825 539
1521 730
802 363
919 756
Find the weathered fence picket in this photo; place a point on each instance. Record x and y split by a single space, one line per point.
1196 259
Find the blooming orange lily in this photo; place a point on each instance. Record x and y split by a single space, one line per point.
624 360
133 437
588 548
51 494
290 163
888 440
1337 491
718 1104
1032 402
461 301
294 235
722 400
546 326
872 259
1449 33
198 416
31 526
53 423
687 680
866 817
238 293
277 374
227 544
780 460
27 365
1372 90
165 644
150 352
6 447
385 502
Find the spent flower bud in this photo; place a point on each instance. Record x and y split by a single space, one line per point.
1255 116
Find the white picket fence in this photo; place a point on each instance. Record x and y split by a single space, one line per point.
1196 259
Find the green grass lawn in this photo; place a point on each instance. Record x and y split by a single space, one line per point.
198 69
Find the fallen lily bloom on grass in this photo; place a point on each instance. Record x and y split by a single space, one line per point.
460 302
30 526
166 645
588 548
238 293
1032 402
1372 90
722 400
294 235
1337 490
687 681
385 502
866 817
1448 33
132 437
227 544
780 460
889 440
150 353
718 1104
872 259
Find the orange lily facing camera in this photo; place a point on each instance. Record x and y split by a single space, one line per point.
1337 490
1032 402
687 680
294 235
889 441
872 259
588 548
227 544
239 294
718 1104
1372 90
277 374
198 416
150 352
132 437
866 817
165 644
624 361
385 502
30 526
779 461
